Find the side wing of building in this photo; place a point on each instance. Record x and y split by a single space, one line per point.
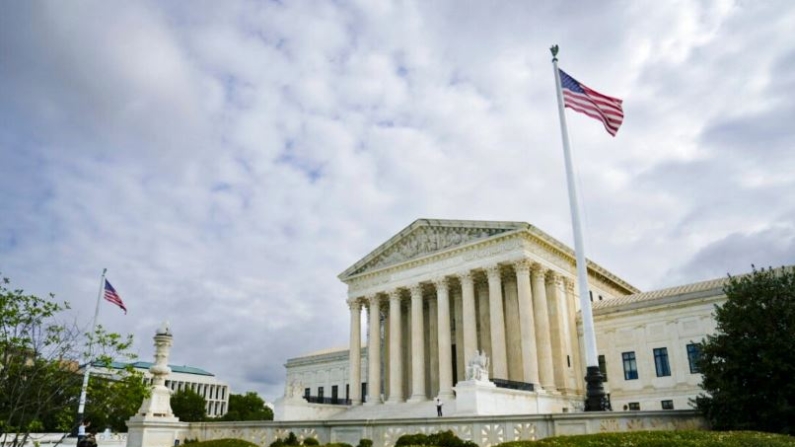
648 343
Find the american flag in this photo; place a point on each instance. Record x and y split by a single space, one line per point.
580 98
113 297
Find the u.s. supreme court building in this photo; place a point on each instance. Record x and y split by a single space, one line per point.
485 315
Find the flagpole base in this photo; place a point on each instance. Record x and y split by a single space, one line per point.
595 398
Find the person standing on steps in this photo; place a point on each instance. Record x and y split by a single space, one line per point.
81 430
438 407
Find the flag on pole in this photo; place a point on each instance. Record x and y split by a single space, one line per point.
113 297
580 98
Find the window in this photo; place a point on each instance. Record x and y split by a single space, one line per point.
635 406
334 393
348 392
630 365
661 362
590 295
603 366
306 392
320 392
568 360
364 390
693 354
667 404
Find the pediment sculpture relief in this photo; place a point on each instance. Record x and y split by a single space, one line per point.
428 240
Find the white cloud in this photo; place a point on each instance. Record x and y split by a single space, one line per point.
227 162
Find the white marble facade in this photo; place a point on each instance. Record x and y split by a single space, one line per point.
439 291
425 302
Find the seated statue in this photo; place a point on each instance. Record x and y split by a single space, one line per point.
478 367
294 390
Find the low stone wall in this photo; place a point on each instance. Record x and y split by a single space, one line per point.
104 439
486 431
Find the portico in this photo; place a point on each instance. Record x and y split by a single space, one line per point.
442 290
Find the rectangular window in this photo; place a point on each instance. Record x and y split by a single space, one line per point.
348 392
693 355
364 390
334 393
320 392
630 365
306 392
603 366
635 406
667 404
661 362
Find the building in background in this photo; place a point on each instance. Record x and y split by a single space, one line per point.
214 391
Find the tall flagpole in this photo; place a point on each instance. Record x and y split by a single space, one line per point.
87 372
595 393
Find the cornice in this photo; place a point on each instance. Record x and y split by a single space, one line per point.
434 237
475 250
332 356
535 242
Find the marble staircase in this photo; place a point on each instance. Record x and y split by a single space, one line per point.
402 410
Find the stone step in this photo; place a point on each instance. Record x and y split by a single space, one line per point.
399 410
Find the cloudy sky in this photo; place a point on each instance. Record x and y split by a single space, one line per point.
226 160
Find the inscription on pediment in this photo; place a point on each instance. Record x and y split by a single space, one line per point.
427 240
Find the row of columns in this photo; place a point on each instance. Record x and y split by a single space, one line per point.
534 327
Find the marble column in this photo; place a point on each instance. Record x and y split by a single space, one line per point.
395 357
545 366
470 324
432 350
457 301
355 391
573 346
527 323
499 360
445 342
417 346
554 281
374 352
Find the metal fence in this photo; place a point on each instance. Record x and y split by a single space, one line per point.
327 400
512 385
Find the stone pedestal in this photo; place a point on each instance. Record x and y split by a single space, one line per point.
474 397
154 425
158 405
155 433
480 398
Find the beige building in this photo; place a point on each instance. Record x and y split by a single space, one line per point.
648 344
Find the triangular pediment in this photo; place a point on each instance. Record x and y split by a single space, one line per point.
428 236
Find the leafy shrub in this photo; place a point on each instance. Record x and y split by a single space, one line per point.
449 439
364 442
338 444
440 439
414 439
311 441
663 439
291 440
224 443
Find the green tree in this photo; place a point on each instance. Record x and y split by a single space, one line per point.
39 363
748 365
188 406
247 407
114 400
